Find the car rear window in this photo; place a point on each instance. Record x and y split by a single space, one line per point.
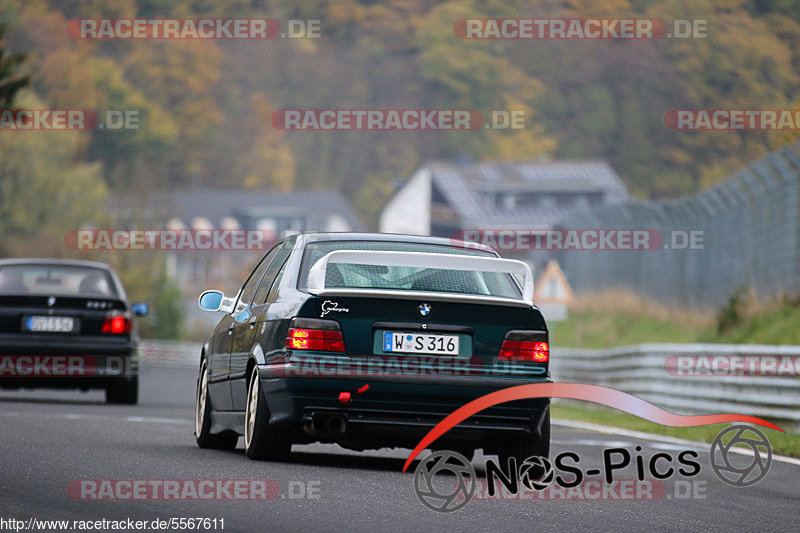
407 278
56 279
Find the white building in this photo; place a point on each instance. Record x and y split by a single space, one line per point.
441 198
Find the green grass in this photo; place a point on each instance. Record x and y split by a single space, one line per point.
780 325
609 328
595 329
782 443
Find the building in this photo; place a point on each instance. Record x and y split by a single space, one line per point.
276 214
444 197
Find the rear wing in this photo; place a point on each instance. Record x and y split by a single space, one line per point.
317 274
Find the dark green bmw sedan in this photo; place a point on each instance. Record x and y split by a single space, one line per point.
370 340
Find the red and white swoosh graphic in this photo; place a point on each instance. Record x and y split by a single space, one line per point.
578 391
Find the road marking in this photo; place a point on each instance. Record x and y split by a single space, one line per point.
594 442
158 420
659 438
74 416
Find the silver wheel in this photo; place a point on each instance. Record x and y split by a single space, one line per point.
252 409
262 441
202 394
223 440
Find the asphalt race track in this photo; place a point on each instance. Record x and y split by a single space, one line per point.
48 439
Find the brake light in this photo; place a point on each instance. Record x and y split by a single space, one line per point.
116 324
522 345
316 335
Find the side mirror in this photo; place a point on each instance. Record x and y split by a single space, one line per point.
243 316
140 309
211 300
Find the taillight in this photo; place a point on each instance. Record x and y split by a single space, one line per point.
116 324
314 334
530 346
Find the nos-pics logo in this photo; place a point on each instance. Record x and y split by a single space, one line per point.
446 481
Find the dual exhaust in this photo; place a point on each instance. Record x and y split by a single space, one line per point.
326 424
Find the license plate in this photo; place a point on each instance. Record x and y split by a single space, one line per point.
60 324
420 343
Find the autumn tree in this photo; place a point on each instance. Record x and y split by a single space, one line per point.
11 81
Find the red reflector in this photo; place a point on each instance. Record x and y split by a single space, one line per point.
532 351
116 325
318 340
344 397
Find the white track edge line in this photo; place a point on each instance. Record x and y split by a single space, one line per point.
652 436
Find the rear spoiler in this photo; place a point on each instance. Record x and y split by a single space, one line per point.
317 274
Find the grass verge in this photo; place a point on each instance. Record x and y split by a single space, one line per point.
608 329
618 318
782 443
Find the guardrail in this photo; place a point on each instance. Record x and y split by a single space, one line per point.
642 370
639 370
177 354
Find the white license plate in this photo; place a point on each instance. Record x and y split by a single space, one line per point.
63 324
420 343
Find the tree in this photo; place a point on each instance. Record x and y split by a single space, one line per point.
44 191
11 82
269 163
471 74
180 78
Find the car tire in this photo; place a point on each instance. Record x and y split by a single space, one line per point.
262 441
123 391
526 447
226 440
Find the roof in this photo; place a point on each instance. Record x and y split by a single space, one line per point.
54 262
394 237
46 261
216 205
466 186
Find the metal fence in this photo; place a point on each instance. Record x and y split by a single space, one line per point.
750 228
172 354
642 370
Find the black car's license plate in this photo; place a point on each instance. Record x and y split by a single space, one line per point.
394 341
53 324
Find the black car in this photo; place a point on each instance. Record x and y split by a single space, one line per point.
368 341
67 324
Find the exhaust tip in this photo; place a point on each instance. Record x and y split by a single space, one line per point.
325 424
319 424
337 424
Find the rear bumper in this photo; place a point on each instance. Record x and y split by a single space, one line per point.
39 361
399 411
49 344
